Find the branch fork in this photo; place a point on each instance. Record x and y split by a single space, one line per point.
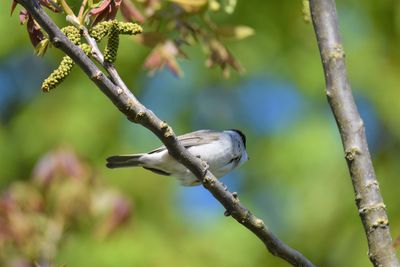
117 91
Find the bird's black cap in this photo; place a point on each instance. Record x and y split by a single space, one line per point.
241 135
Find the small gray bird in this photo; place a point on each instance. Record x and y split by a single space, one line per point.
223 151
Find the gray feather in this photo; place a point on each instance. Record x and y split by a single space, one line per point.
124 161
196 138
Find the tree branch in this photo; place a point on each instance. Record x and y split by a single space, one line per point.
369 201
126 102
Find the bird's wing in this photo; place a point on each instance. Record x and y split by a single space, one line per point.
196 138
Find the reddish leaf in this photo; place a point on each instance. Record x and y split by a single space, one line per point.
130 12
121 211
173 67
34 31
154 60
220 55
106 11
117 211
104 5
49 4
23 16
164 54
56 164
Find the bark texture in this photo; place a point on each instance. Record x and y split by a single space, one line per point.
368 198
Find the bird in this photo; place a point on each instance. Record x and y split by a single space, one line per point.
222 151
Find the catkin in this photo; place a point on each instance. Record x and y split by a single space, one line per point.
65 67
59 74
110 52
112 29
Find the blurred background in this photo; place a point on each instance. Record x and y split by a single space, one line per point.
61 205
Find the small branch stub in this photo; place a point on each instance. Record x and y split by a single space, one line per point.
259 223
227 213
352 153
97 76
380 223
167 130
208 181
336 53
56 42
137 118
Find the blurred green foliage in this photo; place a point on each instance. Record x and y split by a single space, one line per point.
296 179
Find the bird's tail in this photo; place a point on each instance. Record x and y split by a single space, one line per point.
124 161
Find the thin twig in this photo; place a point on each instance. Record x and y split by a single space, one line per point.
125 101
96 53
369 201
66 8
81 10
99 57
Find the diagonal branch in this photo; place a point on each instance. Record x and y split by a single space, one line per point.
369 200
126 102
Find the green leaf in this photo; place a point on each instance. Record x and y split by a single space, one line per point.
41 47
237 32
191 6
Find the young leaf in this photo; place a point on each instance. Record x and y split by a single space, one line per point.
191 6
41 47
236 32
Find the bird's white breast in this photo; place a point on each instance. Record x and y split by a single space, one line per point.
216 154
